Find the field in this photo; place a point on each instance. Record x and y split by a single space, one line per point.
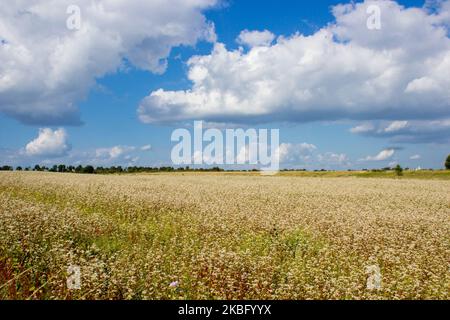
224 236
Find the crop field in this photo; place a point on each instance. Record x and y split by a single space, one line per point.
223 236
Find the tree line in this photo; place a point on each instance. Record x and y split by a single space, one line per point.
119 169
105 170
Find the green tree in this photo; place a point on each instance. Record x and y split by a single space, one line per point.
88 169
79 169
398 170
447 163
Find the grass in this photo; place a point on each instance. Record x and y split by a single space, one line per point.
388 174
223 236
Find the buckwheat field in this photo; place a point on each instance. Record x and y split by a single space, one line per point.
222 236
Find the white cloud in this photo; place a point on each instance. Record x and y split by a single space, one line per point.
255 38
131 160
113 152
198 157
415 157
305 155
396 126
365 127
290 152
243 156
382 156
146 147
412 131
331 158
46 68
343 71
49 143
422 85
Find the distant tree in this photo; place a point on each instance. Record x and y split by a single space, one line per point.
54 168
88 169
398 170
79 169
61 168
37 168
447 163
6 168
19 168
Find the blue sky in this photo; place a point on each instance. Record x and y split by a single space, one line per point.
105 90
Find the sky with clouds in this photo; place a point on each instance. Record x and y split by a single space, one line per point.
112 90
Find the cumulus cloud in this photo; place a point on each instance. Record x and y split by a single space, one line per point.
46 68
113 152
306 155
396 126
413 131
382 156
415 157
362 128
422 85
146 147
49 143
343 71
331 158
255 38
291 152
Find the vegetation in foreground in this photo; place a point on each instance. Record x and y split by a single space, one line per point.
387 172
222 236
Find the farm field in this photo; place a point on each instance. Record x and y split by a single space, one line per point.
223 236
